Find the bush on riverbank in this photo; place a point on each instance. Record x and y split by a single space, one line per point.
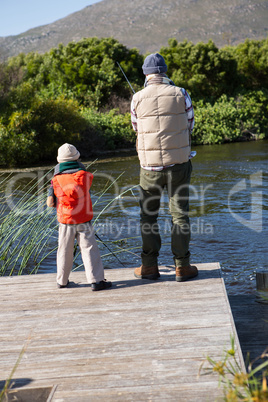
86 71
74 94
108 130
35 134
208 72
230 119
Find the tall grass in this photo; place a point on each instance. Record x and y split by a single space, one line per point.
250 386
27 227
8 382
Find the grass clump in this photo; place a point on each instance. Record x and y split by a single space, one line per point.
250 386
27 227
8 382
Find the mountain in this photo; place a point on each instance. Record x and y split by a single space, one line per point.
147 25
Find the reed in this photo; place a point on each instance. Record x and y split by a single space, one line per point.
27 228
250 386
8 382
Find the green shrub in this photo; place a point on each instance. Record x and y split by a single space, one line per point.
17 148
22 97
34 135
252 62
86 70
215 124
204 70
253 109
230 119
238 385
114 130
56 122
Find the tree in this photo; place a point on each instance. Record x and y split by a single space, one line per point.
203 69
252 62
86 70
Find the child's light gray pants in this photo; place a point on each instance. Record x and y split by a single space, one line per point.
85 236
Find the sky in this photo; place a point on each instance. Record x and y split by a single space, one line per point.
17 16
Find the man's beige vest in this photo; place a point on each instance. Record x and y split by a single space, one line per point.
162 124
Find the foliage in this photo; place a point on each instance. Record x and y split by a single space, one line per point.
17 148
203 69
230 119
8 382
252 62
208 72
10 76
86 70
238 385
25 245
113 130
253 107
35 134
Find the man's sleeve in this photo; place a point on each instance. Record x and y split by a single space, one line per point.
133 116
189 110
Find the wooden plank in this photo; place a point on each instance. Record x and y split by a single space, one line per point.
139 340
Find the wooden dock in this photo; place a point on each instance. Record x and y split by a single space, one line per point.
138 341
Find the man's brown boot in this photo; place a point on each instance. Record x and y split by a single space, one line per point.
143 272
185 273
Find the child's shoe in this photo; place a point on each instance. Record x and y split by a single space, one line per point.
101 285
63 286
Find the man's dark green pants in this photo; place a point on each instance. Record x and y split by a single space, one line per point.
176 180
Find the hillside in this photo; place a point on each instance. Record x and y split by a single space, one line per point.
148 25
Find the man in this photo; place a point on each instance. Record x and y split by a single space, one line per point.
163 118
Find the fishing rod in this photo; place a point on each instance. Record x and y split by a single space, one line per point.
125 77
98 237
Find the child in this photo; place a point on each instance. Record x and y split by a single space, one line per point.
69 193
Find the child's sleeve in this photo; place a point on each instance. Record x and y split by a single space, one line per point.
51 198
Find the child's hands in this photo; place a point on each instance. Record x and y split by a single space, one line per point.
50 201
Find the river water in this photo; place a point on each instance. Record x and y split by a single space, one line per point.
228 215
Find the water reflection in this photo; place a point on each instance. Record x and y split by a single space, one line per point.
228 211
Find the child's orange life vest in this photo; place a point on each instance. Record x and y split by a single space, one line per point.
74 204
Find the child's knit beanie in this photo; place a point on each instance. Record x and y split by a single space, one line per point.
154 64
67 152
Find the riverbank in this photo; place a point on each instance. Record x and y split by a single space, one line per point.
100 157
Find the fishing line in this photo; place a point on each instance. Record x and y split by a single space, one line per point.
125 77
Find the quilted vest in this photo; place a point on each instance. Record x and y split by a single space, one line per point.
162 125
74 204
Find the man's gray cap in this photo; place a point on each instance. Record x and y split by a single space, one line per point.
154 64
